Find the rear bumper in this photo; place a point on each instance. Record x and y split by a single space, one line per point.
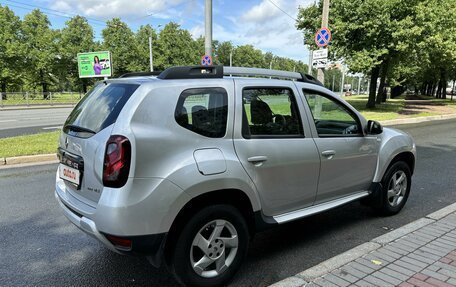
151 246
85 224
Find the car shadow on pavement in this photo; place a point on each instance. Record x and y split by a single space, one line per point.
40 252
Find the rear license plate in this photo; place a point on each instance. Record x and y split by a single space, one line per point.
70 174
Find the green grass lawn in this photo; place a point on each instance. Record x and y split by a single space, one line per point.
392 108
14 99
42 143
386 111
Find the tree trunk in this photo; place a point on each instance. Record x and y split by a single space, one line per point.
373 87
444 83
4 91
434 86
453 91
84 86
439 90
44 86
45 91
381 87
430 88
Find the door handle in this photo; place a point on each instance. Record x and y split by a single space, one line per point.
257 159
329 153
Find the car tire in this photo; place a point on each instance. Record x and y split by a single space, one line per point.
222 232
395 189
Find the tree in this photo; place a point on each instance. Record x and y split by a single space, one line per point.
41 46
120 41
223 53
76 37
248 56
437 50
367 34
142 43
176 47
10 48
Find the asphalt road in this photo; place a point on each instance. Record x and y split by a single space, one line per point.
31 121
38 246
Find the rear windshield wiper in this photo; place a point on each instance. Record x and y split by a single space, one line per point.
78 129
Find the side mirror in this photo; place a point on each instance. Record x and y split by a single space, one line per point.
374 128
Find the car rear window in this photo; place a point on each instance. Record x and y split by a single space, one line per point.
100 107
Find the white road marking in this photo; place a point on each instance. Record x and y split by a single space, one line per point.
5 121
52 128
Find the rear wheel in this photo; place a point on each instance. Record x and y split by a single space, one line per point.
396 185
211 247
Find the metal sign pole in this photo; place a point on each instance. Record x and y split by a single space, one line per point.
324 23
208 28
151 59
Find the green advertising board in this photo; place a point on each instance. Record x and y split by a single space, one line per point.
95 64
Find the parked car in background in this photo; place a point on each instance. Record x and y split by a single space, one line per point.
186 166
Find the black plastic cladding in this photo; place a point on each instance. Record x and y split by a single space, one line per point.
140 74
192 72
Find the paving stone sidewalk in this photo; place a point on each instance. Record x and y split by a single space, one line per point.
424 256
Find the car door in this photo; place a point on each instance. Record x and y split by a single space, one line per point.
273 142
348 157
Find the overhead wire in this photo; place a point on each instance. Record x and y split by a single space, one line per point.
55 11
283 11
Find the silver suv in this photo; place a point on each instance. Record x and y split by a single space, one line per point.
186 166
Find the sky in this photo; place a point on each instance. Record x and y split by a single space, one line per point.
256 22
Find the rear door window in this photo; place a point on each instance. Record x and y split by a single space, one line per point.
99 108
270 113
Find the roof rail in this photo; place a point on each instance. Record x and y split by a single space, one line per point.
214 72
192 72
140 74
242 71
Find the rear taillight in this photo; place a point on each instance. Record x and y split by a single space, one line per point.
120 242
116 161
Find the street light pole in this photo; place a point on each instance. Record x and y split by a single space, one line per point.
151 59
359 85
208 28
310 61
231 58
343 80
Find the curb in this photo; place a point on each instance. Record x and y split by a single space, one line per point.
340 260
418 120
28 159
37 107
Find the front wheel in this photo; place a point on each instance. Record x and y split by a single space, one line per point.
211 247
396 185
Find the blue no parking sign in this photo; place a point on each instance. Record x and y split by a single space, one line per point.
323 37
206 60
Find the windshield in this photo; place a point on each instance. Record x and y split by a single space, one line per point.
99 108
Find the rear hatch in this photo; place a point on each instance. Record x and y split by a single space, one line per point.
83 140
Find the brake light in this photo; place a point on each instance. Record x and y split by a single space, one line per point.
116 161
